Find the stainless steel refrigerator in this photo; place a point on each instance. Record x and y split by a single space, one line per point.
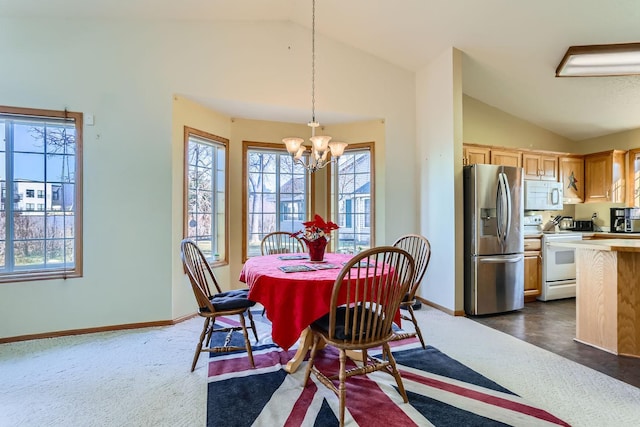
493 239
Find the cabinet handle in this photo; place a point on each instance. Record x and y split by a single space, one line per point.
607 194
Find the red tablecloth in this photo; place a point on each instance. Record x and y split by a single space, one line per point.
292 300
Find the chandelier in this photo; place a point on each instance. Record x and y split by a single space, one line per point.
320 145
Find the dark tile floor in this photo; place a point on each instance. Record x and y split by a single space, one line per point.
552 325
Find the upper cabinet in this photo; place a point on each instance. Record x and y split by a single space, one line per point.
506 157
633 178
540 166
572 178
474 154
605 177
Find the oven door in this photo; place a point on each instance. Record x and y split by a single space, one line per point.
559 263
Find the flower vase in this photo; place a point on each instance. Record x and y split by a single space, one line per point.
316 248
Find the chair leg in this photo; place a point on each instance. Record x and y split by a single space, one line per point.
253 325
394 371
312 355
205 331
246 340
415 325
342 389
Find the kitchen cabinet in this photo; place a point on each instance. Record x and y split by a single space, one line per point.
605 177
506 158
474 154
572 178
532 268
633 178
540 166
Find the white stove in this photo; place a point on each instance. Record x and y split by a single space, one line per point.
558 266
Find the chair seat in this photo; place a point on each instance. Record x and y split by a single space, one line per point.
322 324
230 300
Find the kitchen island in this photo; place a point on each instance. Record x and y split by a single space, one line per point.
608 294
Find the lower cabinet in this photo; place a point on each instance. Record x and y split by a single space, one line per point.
532 268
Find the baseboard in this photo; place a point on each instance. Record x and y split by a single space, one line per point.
441 308
94 330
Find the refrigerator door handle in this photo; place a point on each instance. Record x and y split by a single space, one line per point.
504 207
502 260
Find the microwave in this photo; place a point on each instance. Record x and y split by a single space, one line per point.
542 195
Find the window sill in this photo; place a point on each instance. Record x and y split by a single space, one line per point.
38 275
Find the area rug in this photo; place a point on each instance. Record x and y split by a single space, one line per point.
441 391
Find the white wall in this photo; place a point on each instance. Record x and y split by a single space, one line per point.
126 74
439 139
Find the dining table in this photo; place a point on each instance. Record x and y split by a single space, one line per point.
294 292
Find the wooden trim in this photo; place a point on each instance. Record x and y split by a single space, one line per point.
441 308
85 331
188 131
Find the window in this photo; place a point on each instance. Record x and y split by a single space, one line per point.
276 197
40 151
351 198
40 194
205 187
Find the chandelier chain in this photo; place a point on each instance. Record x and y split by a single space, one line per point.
323 152
313 62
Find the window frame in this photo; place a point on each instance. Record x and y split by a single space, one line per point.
214 140
65 271
269 147
332 193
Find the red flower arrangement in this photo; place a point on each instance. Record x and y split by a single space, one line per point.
316 229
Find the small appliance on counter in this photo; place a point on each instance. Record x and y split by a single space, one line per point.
617 220
632 220
583 225
566 223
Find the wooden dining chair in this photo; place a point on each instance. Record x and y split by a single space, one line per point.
281 242
420 249
365 299
212 305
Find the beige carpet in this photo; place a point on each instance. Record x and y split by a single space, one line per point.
142 378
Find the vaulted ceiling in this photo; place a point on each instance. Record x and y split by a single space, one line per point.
511 48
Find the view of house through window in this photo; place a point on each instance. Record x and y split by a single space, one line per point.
41 181
351 185
276 194
206 188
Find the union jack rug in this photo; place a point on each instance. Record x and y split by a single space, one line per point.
441 391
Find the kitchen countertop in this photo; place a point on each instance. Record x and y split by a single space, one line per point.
620 245
589 234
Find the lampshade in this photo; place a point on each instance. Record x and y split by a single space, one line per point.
337 148
293 144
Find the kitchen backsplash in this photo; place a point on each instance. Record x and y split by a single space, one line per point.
582 211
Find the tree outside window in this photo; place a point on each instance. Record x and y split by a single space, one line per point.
40 153
206 165
276 194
